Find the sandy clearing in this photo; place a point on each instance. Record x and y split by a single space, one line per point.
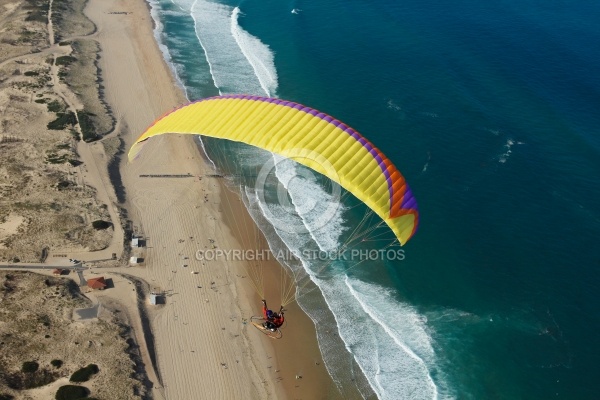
11 225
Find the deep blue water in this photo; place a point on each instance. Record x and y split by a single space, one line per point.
491 113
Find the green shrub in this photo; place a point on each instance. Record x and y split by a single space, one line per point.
84 374
52 158
88 130
44 319
65 60
55 106
71 392
29 380
100 225
75 134
30 366
62 121
4 396
56 363
39 16
31 73
62 185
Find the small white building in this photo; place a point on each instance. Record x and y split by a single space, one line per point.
135 242
156 298
133 260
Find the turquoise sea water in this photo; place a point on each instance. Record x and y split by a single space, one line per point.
491 113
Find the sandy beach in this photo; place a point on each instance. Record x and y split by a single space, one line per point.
204 344
199 343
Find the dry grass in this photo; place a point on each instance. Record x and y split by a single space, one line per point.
44 203
20 33
37 182
82 76
36 325
40 175
69 20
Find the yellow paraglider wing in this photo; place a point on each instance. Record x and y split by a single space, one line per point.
312 138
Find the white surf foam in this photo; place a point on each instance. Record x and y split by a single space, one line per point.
259 55
502 158
337 360
395 356
238 61
388 340
155 12
293 242
393 106
401 370
313 204
426 163
201 143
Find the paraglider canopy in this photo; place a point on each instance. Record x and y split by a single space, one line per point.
311 138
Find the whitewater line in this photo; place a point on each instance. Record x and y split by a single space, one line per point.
210 67
158 30
279 175
206 153
329 239
391 334
236 32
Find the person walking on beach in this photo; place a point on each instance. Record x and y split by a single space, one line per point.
273 320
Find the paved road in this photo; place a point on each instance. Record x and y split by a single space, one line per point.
76 267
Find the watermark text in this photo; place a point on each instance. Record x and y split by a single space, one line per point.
310 255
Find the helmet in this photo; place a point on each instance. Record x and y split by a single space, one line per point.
269 314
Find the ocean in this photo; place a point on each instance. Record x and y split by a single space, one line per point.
490 111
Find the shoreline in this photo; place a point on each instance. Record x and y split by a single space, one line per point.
298 332
200 340
314 383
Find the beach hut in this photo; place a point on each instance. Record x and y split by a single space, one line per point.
97 283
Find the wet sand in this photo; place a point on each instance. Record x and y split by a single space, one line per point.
204 344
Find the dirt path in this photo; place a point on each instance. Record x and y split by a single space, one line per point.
96 175
128 291
50 27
